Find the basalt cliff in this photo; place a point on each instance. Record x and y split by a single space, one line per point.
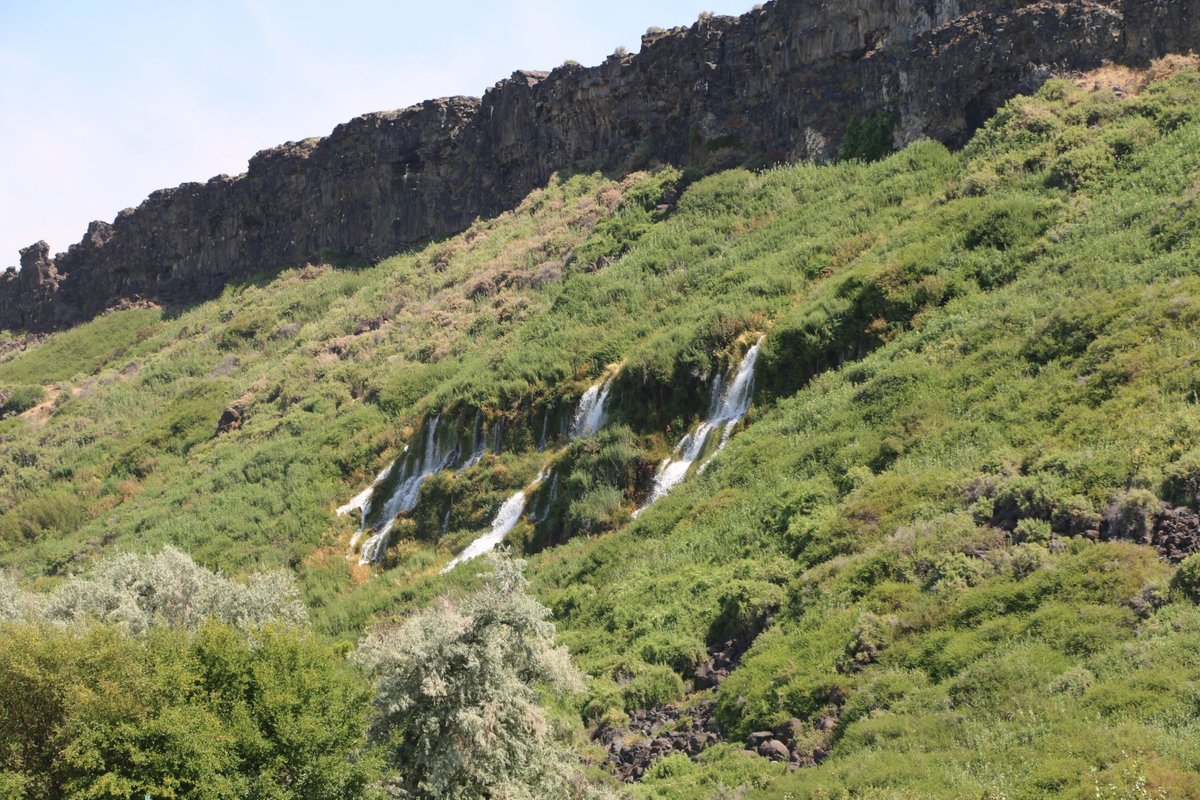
779 83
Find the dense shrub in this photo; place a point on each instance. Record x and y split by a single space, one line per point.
139 592
1187 578
456 703
652 686
868 139
1181 481
96 712
1131 515
593 487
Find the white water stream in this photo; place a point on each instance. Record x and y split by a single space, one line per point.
729 404
361 502
433 458
589 416
505 520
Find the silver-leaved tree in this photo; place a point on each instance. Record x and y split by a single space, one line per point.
456 696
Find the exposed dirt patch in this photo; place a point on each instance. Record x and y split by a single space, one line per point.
37 415
1126 81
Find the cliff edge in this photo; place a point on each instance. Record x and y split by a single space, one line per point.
777 84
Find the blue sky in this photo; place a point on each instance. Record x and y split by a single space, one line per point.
103 102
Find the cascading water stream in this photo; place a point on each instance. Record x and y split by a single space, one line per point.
361 502
433 458
479 443
505 520
729 405
589 416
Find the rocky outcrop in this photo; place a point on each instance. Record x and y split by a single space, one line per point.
1174 532
27 296
658 732
231 418
779 83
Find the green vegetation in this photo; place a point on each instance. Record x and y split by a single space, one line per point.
869 139
456 700
19 399
976 409
154 677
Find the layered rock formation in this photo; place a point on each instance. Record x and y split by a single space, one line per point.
779 83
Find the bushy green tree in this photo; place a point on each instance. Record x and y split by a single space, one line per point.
153 676
94 711
456 695
1187 579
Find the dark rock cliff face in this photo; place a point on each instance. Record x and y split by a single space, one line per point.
780 83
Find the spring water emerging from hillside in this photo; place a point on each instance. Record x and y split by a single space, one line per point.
435 455
729 404
361 502
589 416
505 520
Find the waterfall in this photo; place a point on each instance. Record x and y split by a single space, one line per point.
479 443
729 404
589 416
542 510
361 503
433 458
505 520
545 428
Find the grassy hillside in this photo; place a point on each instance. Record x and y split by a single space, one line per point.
948 533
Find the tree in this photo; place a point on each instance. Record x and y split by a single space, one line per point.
93 711
153 676
456 695
139 592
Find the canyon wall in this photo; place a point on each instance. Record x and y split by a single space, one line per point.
777 84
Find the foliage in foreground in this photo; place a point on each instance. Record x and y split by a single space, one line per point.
976 406
138 592
154 677
456 700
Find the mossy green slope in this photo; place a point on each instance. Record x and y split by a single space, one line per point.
970 360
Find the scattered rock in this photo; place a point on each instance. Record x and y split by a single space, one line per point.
629 758
756 739
722 659
774 750
705 677
1176 533
788 731
231 419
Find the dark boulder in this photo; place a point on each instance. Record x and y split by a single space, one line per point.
774 750
231 419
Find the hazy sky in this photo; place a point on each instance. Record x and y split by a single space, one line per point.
103 102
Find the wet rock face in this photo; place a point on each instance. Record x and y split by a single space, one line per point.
776 84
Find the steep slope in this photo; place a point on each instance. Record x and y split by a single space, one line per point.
792 79
937 558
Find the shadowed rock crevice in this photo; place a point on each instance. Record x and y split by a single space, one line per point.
779 83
